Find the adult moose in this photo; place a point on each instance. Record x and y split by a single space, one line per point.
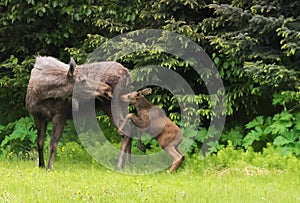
50 95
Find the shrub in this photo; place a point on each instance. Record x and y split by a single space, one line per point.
282 130
19 138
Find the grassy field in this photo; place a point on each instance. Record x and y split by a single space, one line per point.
207 180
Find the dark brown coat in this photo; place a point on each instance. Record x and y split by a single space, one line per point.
50 94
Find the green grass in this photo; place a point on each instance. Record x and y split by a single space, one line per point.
231 176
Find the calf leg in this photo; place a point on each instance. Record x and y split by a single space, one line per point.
58 126
173 151
128 151
177 157
120 130
41 125
141 146
177 141
126 142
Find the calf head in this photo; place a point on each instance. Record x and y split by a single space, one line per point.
133 98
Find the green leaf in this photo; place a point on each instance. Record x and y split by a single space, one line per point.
54 4
66 35
234 136
214 146
217 60
225 65
279 128
280 141
282 122
251 137
285 116
188 144
201 135
296 148
297 126
258 121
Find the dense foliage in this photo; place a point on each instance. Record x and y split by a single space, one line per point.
254 45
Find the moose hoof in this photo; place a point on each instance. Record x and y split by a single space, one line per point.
142 147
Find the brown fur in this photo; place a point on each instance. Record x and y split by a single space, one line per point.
50 92
153 121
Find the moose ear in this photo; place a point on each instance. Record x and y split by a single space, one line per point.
72 68
146 91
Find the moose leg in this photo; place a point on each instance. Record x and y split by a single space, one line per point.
58 126
41 126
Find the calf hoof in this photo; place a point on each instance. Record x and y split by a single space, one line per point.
49 167
121 133
176 164
119 166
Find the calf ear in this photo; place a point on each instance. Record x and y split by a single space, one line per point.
146 91
72 68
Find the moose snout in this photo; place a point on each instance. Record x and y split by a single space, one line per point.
104 90
108 93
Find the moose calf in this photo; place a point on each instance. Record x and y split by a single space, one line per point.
153 121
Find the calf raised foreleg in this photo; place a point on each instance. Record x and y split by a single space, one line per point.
138 122
120 130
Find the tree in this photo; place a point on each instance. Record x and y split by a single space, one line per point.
55 28
256 47
254 44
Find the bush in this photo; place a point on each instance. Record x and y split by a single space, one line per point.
281 130
19 138
249 161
